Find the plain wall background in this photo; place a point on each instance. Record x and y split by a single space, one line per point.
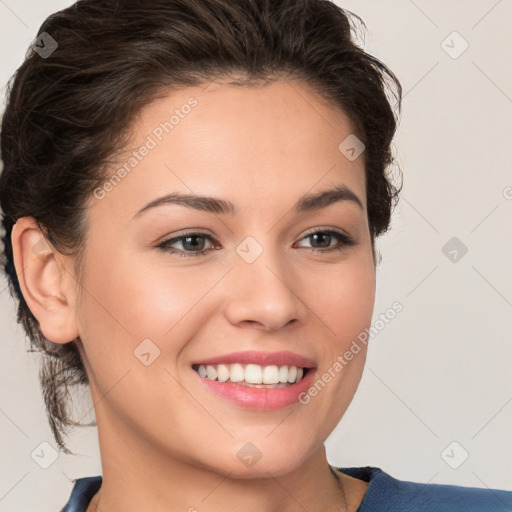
439 372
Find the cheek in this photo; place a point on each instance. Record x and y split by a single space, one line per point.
132 301
123 307
342 298
140 299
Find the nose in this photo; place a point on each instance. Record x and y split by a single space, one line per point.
262 295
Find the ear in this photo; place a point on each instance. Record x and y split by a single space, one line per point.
49 289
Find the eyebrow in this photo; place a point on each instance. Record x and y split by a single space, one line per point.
306 203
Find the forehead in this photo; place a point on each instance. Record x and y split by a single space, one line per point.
247 144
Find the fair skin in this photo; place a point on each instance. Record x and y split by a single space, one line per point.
167 441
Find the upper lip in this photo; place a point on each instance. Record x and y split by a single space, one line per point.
261 358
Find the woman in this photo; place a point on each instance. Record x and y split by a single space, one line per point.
192 191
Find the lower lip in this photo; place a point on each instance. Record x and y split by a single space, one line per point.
260 398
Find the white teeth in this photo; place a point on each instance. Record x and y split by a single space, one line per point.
292 373
222 373
252 373
211 372
283 374
271 374
236 373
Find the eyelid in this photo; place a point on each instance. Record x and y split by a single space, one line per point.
166 239
181 236
325 229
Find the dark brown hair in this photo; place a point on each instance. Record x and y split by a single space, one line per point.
68 113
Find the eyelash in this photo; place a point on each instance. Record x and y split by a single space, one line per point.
343 240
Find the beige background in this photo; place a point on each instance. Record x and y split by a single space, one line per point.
440 371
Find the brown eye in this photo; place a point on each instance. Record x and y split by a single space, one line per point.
188 244
326 240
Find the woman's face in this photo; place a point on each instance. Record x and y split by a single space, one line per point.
264 277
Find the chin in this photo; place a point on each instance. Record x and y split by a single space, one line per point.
261 457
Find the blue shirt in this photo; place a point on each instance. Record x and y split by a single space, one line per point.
384 494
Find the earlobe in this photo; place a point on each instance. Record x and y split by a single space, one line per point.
47 287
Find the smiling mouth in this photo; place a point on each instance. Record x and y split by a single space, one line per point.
253 375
